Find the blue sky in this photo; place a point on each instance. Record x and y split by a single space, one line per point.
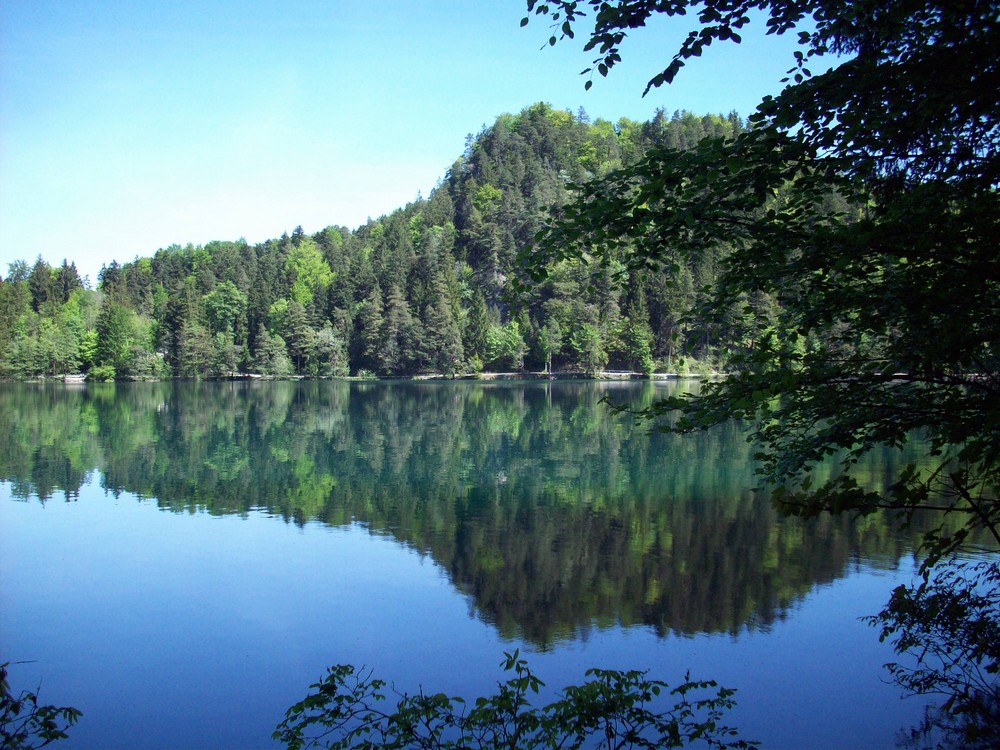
129 125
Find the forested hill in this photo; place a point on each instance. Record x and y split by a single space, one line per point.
424 289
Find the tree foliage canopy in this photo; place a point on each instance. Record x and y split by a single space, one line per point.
857 220
421 290
861 202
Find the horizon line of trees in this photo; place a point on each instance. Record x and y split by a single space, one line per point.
425 289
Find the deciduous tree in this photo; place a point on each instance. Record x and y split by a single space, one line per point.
115 335
863 200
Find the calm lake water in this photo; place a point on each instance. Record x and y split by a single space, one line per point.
181 560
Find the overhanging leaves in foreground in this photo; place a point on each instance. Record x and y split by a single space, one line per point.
860 224
25 724
948 628
612 709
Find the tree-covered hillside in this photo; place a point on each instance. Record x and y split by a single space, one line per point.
425 289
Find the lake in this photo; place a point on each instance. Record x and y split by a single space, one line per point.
182 560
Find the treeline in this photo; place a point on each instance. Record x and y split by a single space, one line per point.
425 289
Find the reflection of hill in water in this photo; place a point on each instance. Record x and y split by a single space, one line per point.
552 513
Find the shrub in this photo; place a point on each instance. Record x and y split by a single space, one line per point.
612 709
24 724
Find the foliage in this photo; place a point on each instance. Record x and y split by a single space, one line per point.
949 626
101 373
25 724
871 226
853 228
505 346
613 709
329 354
225 306
311 273
272 355
423 289
115 335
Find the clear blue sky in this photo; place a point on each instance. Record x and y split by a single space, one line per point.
129 125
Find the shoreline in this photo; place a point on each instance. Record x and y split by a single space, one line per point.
80 379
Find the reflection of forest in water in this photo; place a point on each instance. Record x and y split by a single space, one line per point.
553 513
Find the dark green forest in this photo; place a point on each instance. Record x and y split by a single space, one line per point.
426 289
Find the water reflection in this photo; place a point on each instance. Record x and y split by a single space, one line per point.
555 515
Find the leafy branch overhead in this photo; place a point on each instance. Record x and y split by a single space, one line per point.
612 22
858 219
951 621
856 222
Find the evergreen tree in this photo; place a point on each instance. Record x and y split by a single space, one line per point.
442 343
111 280
14 304
369 327
195 352
401 337
41 284
298 335
477 326
636 338
67 281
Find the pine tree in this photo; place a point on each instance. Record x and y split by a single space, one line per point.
400 338
369 327
41 284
